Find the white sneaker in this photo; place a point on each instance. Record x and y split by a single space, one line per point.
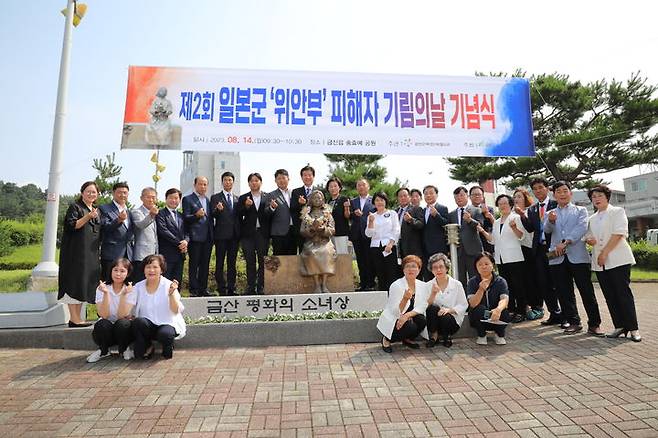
128 354
499 340
114 350
96 356
481 340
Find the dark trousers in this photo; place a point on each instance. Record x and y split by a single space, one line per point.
545 281
386 268
284 245
226 249
198 269
533 297
254 249
514 275
145 332
615 284
138 271
445 325
476 315
410 330
175 270
363 261
106 333
564 275
465 266
106 273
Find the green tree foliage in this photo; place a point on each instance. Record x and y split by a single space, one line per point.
108 175
581 130
21 202
351 167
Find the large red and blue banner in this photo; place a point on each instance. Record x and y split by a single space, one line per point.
314 112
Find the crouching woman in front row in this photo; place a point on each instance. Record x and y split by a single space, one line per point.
403 318
159 310
114 302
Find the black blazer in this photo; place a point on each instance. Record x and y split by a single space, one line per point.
117 239
247 215
411 233
199 229
533 224
226 221
337 212
358 224
170 233
434 235
296 207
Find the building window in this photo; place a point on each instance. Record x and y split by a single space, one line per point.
639 185
222 164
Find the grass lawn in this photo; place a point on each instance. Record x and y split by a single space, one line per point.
642 274
14 281
24 257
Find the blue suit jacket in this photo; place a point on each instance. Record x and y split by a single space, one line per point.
571 224
116 237
199 229
170 233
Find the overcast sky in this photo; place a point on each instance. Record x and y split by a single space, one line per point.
587 40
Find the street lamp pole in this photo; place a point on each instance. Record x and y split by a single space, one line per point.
47 267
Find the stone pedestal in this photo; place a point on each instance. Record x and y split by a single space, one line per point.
31 309
282 276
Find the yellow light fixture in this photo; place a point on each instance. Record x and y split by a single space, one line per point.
78 12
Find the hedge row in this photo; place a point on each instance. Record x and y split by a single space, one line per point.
14 234
646 255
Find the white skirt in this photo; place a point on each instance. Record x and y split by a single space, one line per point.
66 299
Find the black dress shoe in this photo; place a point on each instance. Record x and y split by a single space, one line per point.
552 320
386 348
82 324
447 342
411 345
573 329
430 343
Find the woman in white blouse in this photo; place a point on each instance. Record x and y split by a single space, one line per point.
507 235
159 311
403 318
384 231
612 258
446 304
114 301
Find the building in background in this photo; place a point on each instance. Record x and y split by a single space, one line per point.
641 203
211 165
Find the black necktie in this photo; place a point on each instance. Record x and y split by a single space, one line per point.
229 201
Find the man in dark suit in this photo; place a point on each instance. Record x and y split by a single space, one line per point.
468 218
361 207
116 229
298 200
434 235
281 225
199 226
253 214
476 193
226 233
411 225
172 239
540 246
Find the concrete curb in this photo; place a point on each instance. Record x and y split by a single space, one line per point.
237 335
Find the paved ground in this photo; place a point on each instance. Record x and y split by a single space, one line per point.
541 384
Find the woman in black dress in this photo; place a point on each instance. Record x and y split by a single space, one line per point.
79 265
341 213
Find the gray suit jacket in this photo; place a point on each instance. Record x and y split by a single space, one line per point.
146 234
280 219
469 238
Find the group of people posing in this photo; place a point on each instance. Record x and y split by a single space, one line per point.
538 247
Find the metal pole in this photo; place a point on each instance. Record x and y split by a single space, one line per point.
47 267
453 240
